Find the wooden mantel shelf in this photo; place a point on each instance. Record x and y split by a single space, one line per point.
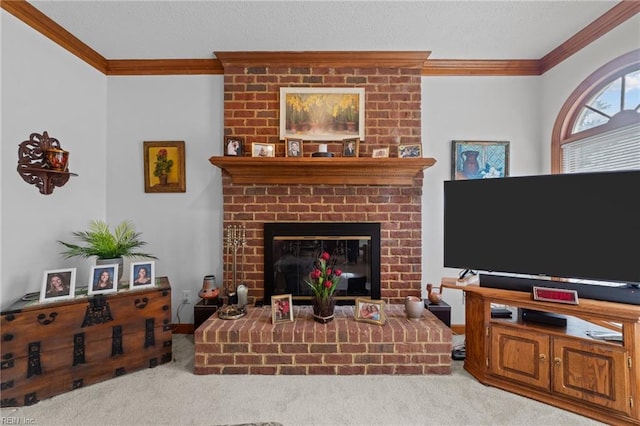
320 171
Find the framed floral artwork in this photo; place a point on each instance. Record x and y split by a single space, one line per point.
164 169
321 113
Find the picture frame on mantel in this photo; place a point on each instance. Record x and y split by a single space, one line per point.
479 159
322 113
164 166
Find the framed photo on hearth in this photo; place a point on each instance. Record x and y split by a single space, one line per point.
479 159
281 308
369 310
58 284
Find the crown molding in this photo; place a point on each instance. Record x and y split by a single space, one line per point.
358 59
479 67
31 16
50 29
609 20
163 66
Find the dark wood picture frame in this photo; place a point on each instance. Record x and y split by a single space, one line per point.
233 146
290 144
167 156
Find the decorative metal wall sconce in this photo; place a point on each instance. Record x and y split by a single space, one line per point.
42 162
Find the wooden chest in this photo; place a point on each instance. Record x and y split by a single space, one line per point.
52 348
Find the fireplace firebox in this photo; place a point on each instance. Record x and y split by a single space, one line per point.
290 250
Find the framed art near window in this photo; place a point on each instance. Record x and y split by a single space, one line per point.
479 160
164 167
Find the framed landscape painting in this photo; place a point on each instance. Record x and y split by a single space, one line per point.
321 114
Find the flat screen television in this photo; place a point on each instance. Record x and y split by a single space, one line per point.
583 225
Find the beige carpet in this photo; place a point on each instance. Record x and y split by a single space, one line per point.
172 395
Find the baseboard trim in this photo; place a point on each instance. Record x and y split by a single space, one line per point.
182 328
457 328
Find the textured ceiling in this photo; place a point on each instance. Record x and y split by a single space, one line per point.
450 29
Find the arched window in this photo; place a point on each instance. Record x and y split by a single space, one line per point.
598 127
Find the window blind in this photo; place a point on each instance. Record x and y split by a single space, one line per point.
618 149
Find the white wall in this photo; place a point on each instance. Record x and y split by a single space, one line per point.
183 229
45 88
471 108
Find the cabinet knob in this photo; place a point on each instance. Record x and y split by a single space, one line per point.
543 357
557 361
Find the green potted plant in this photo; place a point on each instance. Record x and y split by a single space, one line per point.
107 246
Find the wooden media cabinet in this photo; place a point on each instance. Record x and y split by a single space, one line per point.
558 365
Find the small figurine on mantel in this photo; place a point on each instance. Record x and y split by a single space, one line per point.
433 297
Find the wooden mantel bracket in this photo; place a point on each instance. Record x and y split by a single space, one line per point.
322 171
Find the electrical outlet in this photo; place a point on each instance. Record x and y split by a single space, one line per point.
186 296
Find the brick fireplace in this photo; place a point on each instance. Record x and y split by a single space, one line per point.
391 80
327 190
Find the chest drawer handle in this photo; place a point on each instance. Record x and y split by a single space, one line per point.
7 337
43 321
141 304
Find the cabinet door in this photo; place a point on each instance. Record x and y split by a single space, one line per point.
592 372
520 355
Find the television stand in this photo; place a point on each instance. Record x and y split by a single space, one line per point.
540 361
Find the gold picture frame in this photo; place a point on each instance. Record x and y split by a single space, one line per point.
369 310
164 169
410 151
351 147
322 113
380 152
263 149
281 308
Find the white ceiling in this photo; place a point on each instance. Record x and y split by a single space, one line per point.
450 29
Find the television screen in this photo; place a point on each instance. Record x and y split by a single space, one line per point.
583 225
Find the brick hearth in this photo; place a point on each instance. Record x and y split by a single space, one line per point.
253 345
